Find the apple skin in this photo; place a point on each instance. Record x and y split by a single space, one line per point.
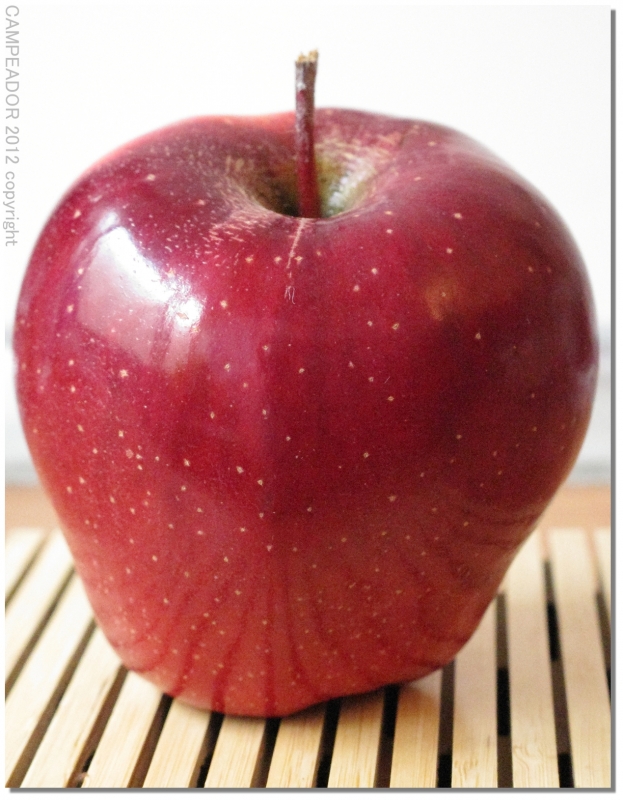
293 458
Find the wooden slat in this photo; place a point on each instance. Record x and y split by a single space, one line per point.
32 599
584 668
296 756
66 737
40 680
602 538
416 737
533 727
237 753
21 546
177 757
474 744
357 739
117 754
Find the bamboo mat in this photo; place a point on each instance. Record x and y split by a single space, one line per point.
526 702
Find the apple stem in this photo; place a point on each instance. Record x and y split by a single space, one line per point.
308 197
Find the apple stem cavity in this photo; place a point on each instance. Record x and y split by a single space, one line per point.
308 195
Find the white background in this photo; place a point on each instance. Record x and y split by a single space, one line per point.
530 82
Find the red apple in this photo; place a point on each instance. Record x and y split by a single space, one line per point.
293 457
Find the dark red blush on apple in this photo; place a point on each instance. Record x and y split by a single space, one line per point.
293 457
